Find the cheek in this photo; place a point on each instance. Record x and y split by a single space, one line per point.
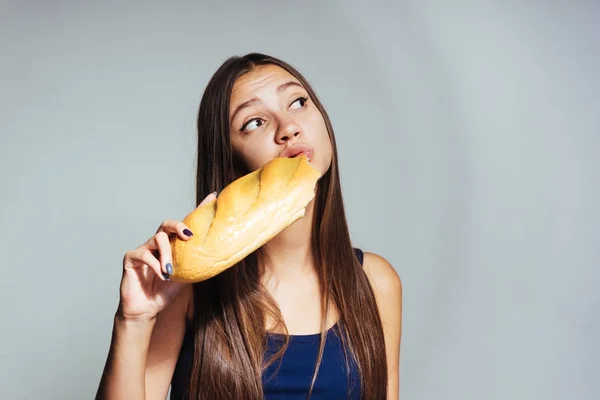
327 153
255 154
322 143
322 138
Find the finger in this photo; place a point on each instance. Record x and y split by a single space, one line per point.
148 258
175 227
152 252
166 257
172 226
143 256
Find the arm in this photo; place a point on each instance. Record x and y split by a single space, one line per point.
165 345
143 353
388 293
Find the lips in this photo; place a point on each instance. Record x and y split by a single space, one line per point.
297 150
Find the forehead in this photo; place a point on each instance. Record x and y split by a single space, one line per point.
264 78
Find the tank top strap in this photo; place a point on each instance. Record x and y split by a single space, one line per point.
359 254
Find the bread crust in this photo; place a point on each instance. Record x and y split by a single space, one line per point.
248 213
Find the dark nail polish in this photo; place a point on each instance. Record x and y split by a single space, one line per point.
169 268
167 278
187 232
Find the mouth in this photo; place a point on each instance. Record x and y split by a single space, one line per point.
298 151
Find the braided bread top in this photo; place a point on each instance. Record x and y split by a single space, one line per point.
248 213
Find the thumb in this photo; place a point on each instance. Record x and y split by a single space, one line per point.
168 293
207 199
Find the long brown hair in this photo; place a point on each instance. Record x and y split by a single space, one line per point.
231 308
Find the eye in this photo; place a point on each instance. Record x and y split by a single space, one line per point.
252 125
301 101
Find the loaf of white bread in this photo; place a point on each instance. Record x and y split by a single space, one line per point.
247 213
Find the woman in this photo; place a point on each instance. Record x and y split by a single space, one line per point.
305 315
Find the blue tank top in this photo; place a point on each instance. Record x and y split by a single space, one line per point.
290 376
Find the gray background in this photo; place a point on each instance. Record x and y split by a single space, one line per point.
468 134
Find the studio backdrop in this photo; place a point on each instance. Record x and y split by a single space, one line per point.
468 134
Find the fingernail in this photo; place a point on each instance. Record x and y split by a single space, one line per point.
187 232
169 268
215 193
167 278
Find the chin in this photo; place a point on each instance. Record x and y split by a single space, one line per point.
322 167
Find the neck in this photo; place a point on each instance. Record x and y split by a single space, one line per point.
290 252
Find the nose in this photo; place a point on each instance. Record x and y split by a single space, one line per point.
288 129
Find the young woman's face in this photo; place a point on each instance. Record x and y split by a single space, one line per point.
271 115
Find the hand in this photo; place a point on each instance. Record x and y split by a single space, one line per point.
145 288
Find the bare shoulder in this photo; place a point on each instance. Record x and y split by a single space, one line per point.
387 287
383 277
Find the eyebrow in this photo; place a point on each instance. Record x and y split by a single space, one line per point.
255 100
